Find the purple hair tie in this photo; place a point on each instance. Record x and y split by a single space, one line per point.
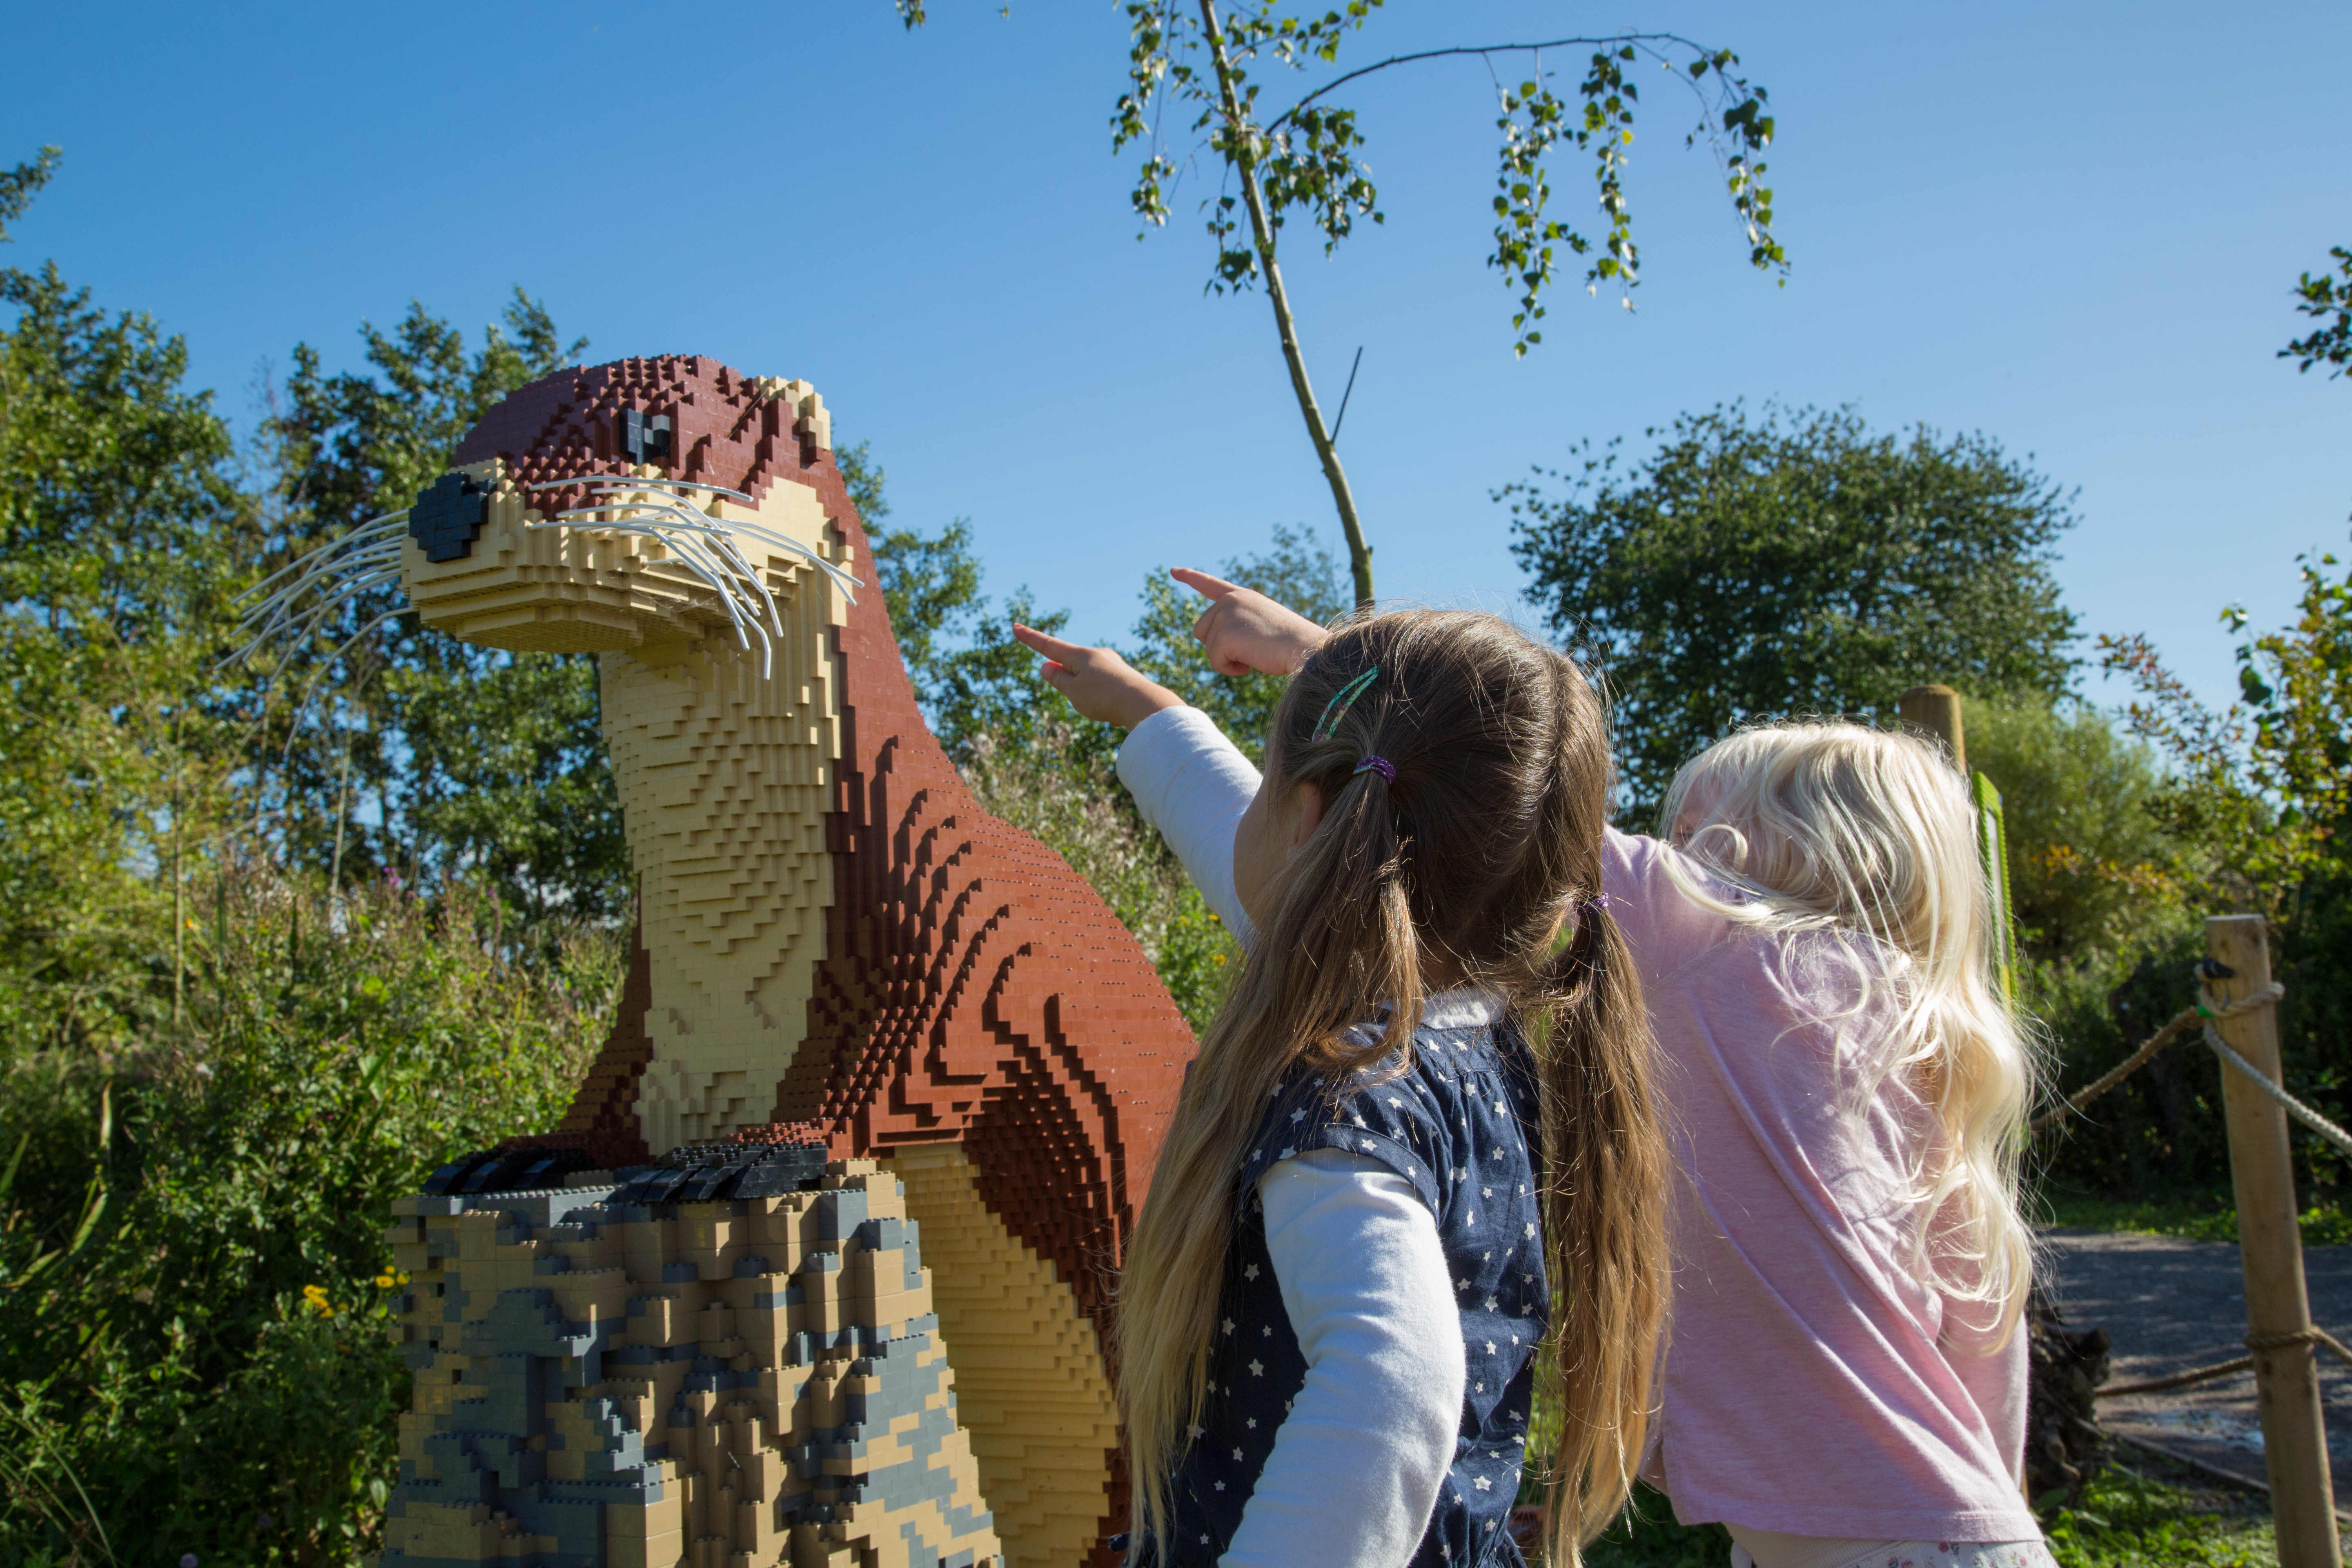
1380 766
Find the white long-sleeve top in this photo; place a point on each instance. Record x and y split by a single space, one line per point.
1355 1468
1193 783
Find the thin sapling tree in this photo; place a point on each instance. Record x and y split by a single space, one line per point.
1189 58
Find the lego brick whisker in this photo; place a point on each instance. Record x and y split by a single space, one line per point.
605 485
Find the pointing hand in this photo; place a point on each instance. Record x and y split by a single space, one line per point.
1243 630
1099 684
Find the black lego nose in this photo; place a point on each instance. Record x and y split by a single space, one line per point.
447 517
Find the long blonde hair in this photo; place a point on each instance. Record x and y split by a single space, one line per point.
1866 838
1464 871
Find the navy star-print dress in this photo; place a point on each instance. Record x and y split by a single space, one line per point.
1459 1125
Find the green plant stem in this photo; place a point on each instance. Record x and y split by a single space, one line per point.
1360 554
342 804
179 883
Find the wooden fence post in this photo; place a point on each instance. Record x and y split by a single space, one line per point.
1937 711
2270 1250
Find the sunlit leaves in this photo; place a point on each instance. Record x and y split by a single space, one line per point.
1304 161
2321 297
1307 161
21 183
2273 772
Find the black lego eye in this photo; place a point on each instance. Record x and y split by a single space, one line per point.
643 438
446 518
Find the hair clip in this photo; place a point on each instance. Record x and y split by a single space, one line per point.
1380 766
1337 709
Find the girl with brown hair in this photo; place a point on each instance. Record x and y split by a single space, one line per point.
1421 1127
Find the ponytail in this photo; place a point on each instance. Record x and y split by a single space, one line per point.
1604 1181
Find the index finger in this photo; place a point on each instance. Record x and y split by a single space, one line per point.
1202 584
1053 648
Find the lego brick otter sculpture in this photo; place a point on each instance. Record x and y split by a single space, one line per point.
816 1269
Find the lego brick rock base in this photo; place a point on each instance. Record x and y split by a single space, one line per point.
817 1268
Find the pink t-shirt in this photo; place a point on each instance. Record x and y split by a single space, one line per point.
1813 1385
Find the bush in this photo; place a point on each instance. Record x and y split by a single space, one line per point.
2096 871
193 1283
2111 884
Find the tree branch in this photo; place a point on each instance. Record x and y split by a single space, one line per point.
1243 163
1339 81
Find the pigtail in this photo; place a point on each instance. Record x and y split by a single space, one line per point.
1605 1169
1369 926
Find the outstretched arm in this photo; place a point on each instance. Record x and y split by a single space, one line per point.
1189 781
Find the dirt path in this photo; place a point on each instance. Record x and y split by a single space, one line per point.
2170 1305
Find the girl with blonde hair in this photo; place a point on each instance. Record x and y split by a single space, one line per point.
1844 1090
1418 1143
1849 1090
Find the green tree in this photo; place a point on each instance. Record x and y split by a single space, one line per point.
120 540
1755 568
215 1076
1305 160
469 758
20 184
2271 775
931 584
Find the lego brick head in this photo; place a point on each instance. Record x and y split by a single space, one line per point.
631 505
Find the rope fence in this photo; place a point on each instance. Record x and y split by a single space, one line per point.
2287 1102
2319 1337
2204 1014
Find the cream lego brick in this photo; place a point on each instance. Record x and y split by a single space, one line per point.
726 830
478 1236
811 1550
648 1522
992 1337
591 1296
663 1551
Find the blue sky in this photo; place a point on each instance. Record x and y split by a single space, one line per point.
2071 227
